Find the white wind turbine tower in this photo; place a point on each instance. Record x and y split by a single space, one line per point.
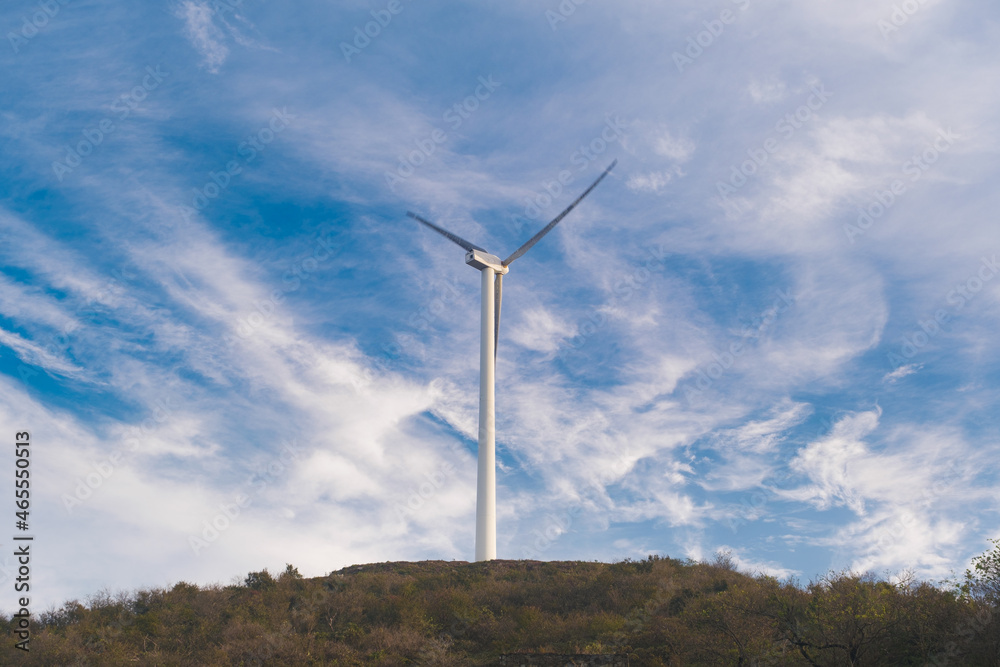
493 271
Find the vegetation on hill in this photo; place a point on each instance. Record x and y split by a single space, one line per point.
659 611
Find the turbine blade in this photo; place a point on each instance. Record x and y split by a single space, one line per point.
497 298
548 228
445 233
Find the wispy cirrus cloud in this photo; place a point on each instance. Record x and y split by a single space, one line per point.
205 36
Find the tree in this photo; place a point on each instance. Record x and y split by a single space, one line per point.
981 632
736 626
983 580
849 619
260 581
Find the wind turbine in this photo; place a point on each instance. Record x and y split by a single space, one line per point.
493 271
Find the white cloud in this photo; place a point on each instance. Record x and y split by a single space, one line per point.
203 33
901 372
35 355
678 149
767 91
833 463
765 435
539 329
654 181
752 566
748 452
906 494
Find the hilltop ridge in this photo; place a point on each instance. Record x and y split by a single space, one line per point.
657 611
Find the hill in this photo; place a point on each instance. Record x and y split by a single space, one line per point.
658 611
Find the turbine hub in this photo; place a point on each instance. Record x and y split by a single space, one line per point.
479 260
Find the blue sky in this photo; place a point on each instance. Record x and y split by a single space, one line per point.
770 330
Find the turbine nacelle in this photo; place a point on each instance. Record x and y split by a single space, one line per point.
479 260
